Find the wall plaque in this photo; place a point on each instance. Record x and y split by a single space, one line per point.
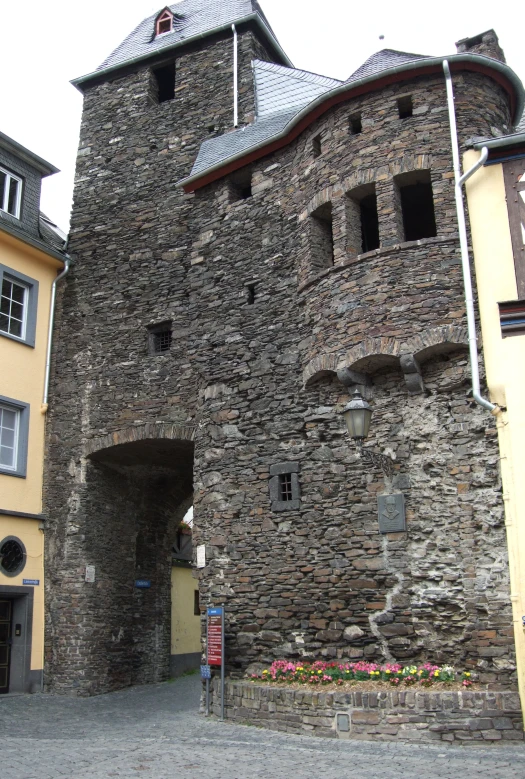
391 513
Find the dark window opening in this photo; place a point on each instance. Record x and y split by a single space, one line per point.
322 237
164 78
196 603
417 205
285 487
369 223
250 296
362 220
405 108
317 146
160 338
240 186
355 124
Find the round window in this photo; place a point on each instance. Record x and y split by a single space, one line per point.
12 556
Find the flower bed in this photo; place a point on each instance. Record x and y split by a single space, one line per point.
339 674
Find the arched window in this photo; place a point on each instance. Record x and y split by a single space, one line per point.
164 22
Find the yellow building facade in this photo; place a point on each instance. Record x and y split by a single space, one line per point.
31 258
496 205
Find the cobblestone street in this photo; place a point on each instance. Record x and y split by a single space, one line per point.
156 731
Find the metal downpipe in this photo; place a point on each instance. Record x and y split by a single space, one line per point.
47 374
462 227
235 78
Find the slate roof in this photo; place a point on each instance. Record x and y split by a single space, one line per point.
283 93
279 88
51 234
192 17
381 60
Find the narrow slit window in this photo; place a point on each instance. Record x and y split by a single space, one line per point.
160 338
405 107
196 603
417 205
164 82
322 237
355 124
250 294
317 146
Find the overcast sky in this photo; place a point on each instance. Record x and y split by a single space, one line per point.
46 45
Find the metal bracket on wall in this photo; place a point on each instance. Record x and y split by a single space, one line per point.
376 460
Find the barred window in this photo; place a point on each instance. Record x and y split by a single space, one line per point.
160 338
284 486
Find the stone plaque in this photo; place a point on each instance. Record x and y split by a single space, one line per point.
391 513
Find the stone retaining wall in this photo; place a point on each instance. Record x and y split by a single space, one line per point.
407 715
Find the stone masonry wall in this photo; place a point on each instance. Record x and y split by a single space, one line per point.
232 382
422 717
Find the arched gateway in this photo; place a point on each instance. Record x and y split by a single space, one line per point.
112 629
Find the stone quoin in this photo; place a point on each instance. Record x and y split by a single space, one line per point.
211 332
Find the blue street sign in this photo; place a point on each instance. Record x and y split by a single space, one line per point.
215 612
205 672
143 584
32 582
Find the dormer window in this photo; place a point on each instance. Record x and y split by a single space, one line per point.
164 22
10 193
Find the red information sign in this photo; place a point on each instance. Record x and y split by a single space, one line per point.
215 639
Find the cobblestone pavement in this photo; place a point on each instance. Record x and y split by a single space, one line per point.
156 732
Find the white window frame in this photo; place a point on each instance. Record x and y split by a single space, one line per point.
19 466
4 196
30 304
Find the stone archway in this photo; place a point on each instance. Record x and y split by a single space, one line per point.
136 487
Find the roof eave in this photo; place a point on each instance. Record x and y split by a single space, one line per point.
516 139
334 96
43 167
40 245
98 75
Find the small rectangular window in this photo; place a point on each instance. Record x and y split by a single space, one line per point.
317 146
285 487
240 185
417 204
250 294
14 427
285 494
196 603
322 237
164 82
355 124
405 108
18 306
160 338
362 220
10 193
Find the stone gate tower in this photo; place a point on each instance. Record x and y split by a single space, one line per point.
231 287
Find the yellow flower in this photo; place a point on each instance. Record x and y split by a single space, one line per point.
388 671
319 672
467 673
265 672
436 673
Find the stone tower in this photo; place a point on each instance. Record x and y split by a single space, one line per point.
231 288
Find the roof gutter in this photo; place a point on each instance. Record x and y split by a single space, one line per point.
516 139
360 86
101 74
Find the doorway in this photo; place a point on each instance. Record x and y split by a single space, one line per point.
5 644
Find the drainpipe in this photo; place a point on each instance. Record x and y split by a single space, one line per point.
465 262
235 79
67 263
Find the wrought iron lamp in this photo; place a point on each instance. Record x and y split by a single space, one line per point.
357 415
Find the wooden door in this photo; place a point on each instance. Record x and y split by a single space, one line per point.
5 644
